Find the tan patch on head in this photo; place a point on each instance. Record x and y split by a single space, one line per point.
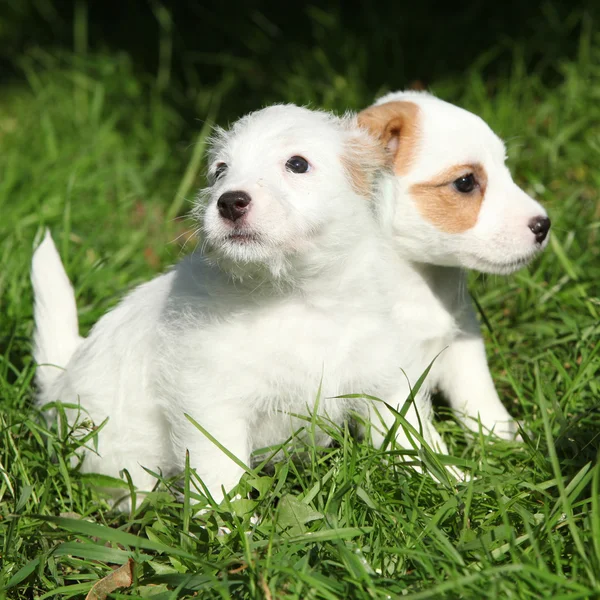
396 126
363 159
442 204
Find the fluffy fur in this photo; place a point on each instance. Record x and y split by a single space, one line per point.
438 232
295 294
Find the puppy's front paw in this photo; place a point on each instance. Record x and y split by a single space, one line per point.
508 430
504 430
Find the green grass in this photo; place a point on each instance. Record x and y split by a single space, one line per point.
96 151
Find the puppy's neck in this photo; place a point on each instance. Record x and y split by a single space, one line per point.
448 284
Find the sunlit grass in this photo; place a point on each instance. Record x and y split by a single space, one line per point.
99 154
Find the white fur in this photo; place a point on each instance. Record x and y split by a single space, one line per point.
242 335
435 309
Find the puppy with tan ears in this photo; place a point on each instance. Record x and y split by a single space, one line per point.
292 292
451 204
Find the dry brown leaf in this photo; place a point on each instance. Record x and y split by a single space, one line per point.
119 578
70 515
265 588
238 569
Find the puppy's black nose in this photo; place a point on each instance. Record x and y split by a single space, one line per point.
540 226
233 205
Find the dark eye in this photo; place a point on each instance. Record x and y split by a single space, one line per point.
297 164
220 170
465 184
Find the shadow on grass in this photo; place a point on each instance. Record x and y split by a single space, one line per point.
389 44
578 443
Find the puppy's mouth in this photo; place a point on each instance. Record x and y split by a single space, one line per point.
242 236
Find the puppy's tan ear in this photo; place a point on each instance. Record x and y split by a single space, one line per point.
395 125
363 158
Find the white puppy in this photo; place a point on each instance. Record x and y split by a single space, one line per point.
294 291
451 205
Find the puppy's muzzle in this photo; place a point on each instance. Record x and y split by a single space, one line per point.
233 205
540 226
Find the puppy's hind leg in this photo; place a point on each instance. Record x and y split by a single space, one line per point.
139 439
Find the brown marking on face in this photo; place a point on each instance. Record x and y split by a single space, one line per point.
396 126
442 204
362 159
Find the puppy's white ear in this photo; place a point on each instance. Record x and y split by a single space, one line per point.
396 126
363 158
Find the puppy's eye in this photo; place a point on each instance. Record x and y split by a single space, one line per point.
297 164
220 170
465 184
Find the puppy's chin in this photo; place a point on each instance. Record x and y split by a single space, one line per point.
244 255
505 266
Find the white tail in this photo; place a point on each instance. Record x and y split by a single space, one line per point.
56 334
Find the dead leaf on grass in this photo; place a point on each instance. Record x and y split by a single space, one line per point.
119 578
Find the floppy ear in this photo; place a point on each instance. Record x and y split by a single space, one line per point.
395 125
363 158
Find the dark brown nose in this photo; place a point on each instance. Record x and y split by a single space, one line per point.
540 226
233 205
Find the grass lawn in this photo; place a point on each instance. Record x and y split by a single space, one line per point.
101 154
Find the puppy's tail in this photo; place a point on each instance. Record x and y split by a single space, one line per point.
56 334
